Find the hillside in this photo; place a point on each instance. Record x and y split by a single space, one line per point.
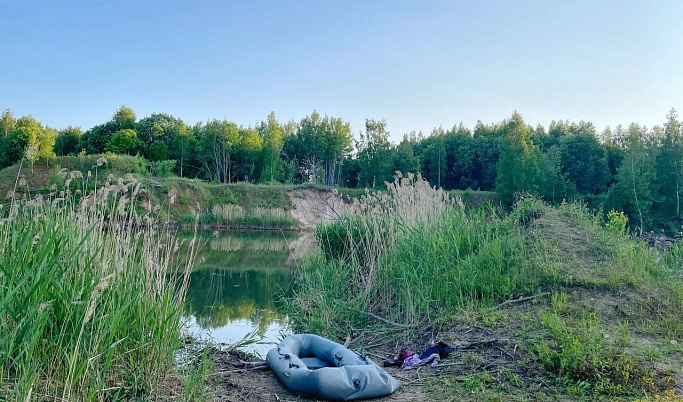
594 315
181 201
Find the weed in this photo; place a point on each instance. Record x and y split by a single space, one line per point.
616 222
527 208
587 361
560 302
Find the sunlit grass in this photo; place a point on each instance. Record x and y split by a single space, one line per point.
88 308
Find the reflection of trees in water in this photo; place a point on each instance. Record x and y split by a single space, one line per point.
237 276
218 297
241 250
234 243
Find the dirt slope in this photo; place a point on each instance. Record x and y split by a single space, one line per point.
311 206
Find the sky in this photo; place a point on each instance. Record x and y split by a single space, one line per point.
417 64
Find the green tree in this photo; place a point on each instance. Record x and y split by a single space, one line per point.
318 148
67 140
336 143
517 166
584 162
27 134
161 127
485 149
7 123
273 140
405 160
183 150
669 167
433 158
217 142
94 140
632 193
158 150
247 156
551 182
374 154
124 142
124 119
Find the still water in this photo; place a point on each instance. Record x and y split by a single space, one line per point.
234 286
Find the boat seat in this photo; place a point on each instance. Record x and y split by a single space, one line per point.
313 363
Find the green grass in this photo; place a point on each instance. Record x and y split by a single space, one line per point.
585 362
460 260
408 273
88 311
610 295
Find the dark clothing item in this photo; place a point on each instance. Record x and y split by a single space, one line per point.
441 348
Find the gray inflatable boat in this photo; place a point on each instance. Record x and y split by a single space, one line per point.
312 365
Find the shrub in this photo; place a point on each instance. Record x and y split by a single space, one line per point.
162 168
527 208
616 222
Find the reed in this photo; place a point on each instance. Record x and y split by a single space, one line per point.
409 254
89 310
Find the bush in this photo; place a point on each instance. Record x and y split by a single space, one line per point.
162 168
616 222
527 208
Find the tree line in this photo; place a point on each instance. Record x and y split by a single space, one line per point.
635 169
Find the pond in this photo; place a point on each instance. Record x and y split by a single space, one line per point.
232 294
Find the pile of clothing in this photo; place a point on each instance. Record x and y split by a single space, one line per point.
408 359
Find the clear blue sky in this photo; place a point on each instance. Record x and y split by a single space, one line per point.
417 64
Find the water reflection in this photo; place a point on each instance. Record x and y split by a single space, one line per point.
233 288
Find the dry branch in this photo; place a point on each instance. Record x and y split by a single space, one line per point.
394 324
485 342
254 365
520 300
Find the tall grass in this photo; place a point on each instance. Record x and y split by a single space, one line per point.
88 310
409 253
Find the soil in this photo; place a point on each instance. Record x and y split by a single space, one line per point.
312 206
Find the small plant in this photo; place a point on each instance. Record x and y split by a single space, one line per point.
616 222
527 208
560 302
586 360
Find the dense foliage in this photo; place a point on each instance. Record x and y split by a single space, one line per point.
635 169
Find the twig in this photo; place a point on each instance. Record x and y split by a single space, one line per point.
520 300
374 345
485 342
253 365
450 364
384 320
374 354
347 341
506 352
